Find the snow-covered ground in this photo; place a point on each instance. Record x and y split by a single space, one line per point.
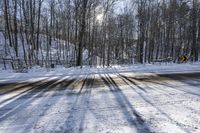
129 99
54 49
103 103
38 72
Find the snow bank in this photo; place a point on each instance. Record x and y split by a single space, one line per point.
38 72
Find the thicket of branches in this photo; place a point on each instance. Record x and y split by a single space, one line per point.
141 32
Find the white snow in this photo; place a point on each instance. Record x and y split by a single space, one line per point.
113 105
162 107
137 69
54 49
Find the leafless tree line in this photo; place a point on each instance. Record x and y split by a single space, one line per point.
141 32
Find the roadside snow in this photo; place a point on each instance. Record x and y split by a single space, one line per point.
38 72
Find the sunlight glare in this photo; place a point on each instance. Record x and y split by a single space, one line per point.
99 17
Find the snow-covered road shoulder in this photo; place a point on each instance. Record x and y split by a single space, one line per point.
137 69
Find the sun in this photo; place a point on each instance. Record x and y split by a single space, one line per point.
99 17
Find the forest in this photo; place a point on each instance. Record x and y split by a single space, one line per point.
98 32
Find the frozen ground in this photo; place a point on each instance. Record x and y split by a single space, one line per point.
102 103
37 72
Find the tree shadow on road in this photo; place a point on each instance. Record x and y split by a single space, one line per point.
75 121
147 100
24 100
50 102
12 87
131 115
180 79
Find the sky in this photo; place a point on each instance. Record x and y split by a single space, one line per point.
121 4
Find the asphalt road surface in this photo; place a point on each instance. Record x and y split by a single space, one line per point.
105 103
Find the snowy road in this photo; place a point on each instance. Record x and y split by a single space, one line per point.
105 103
